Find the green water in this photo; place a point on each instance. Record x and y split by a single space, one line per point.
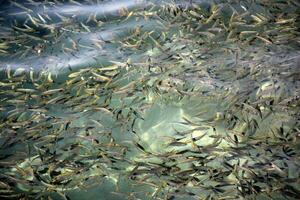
149 100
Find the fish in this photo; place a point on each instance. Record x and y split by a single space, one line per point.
177 144
141 148
26 90
267 41
85 27
34 20
21 6
53 91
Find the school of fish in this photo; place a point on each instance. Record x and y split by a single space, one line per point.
231 68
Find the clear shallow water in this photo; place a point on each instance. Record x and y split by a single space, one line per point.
150 100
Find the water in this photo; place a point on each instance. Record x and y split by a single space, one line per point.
149 100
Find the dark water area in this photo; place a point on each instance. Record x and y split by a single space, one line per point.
134 99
